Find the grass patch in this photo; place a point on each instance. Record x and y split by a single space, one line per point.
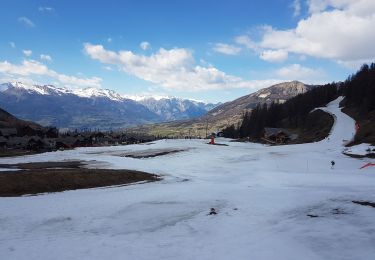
364 203
150 153
34 178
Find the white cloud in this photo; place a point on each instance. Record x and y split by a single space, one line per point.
109 68
274 55
72 81
28 67
171 69
46 9
339 30
27 52
355 7
296 8
246 41
45 57
226 49
32 68
26 21
12 44
299 72
144 45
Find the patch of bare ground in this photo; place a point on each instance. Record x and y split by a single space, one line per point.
15 152
364 203
150 153
219 144
35 178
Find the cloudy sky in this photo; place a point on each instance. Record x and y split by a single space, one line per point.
213 50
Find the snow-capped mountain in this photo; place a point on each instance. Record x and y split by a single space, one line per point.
91 107
33 89
172 108
98 93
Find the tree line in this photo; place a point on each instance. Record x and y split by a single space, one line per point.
359 89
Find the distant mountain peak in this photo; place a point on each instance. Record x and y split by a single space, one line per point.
145 97
95 92
161 97
282 90
278 93
28 87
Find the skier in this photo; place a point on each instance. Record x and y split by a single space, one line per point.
212 211
332 164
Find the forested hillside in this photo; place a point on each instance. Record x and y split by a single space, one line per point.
292 114
359 102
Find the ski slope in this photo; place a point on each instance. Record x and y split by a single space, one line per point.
263 196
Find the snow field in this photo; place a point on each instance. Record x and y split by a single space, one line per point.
263 196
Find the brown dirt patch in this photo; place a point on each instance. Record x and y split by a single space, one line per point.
45 165
364 203
219 144
34 178
150 153
14 152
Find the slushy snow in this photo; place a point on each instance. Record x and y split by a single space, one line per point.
272 202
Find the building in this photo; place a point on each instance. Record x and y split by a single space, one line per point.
277 135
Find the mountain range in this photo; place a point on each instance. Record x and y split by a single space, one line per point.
93 108
228 113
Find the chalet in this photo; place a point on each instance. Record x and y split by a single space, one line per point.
277 135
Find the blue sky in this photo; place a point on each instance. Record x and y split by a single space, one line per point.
206 50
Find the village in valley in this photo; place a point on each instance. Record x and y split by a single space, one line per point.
43 140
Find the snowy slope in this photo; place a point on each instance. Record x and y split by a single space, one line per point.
263 195
344 128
